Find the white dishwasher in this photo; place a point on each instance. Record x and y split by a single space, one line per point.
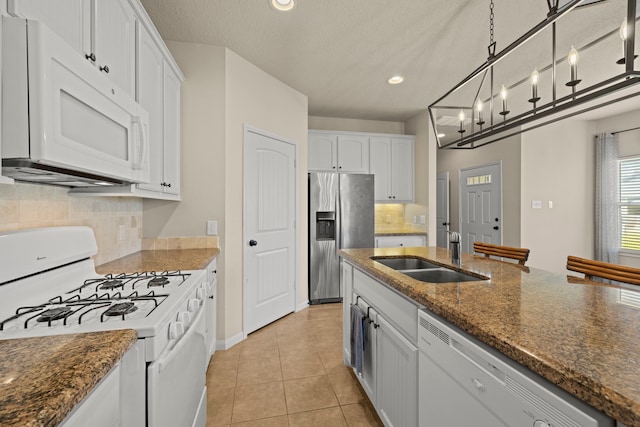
466 383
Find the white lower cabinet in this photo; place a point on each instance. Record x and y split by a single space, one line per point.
118 399
390 357
399 241
396 376
346 284
212 301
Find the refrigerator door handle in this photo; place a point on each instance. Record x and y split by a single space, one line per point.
338 222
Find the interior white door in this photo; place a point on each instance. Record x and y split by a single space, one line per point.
269 229
481 205
442 209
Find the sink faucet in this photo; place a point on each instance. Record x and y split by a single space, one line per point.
454 245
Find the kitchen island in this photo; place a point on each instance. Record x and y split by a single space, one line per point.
44 378
580 335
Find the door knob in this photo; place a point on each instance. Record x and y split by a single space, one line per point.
496 228
252 243
445 223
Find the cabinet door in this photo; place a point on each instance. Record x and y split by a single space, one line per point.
171 131
150 87
70 19
346 284
353 153
114 41
368 377
323 152
380 166
399 241
396 373
402 159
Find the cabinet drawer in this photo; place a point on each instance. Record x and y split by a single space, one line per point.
402 313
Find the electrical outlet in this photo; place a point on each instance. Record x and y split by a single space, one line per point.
121 232
415 219
550 204
212 228
423 219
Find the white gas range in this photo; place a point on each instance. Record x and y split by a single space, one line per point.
48 286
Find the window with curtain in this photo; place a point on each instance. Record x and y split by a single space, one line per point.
629 170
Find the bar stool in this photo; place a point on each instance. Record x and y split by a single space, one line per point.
488 249
604 270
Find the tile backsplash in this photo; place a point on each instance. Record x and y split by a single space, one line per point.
31 205
389 215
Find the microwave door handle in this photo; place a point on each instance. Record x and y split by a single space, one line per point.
141 144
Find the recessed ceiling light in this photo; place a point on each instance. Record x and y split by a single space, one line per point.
282 5
441 135
394 80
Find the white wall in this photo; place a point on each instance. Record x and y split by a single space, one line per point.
255 98
558 166
425 173
507 151
355 125
221 93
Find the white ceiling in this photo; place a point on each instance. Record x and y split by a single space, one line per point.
340 53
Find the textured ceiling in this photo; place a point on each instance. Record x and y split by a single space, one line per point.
340 53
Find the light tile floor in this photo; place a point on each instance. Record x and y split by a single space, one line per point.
289 373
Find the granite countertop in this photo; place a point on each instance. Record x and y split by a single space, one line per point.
580 335
399 231
42 379
160 260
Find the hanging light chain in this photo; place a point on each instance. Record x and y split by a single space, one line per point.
491 41
492 44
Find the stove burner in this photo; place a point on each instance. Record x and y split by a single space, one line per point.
121 309
158 281
53 314
111 284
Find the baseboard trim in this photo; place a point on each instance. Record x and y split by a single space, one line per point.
302 306
230 342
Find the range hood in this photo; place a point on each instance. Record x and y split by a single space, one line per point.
29 171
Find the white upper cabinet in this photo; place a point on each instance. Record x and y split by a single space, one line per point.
353 153
156 82
114 41
102 31
323 152
391 161
332 152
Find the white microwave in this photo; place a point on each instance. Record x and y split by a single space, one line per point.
63 121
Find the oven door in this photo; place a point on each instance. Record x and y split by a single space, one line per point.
176 380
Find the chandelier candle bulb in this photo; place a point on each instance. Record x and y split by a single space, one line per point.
503 95
479 107
623 36
535 76
461 118
573 66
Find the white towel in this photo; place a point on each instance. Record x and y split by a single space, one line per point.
358 319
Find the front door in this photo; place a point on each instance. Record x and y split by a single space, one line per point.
442 209
481 205
269 229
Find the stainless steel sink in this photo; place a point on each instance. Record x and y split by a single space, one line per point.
441 275
426 271
406 263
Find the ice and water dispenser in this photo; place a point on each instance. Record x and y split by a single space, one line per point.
326 225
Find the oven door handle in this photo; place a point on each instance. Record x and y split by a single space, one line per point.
171 352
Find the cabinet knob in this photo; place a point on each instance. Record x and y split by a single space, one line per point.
339 167
252 243
333 167
105 68
394 197
90 56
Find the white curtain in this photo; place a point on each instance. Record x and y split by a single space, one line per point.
607 198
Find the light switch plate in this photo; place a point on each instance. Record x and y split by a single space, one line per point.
212 228
536 204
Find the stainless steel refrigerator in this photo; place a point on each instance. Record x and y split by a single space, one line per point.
341 215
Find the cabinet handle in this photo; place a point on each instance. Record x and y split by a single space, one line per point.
376 326
90 56
105 69
169 185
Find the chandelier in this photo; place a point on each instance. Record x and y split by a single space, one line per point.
579 58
